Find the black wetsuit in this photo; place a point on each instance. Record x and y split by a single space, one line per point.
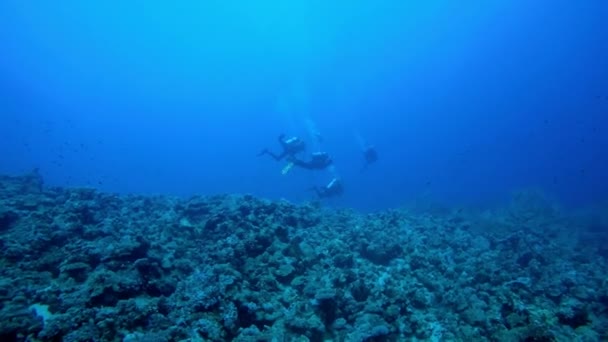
319 161
334 188
291 147
370 155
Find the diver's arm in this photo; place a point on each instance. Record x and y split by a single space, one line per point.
320 193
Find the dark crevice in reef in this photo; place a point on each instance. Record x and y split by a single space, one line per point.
7 219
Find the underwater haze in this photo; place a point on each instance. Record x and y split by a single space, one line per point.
465 102
304 171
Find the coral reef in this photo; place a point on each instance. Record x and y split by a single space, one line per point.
80 265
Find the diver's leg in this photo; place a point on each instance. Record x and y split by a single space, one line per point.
281 156
300 163
277 157
263 152
271 154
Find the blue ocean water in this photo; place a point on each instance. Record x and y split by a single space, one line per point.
464 101
466 198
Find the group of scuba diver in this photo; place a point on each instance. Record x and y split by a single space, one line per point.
291 147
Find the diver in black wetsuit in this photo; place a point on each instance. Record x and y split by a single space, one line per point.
291 147
318 161
332 189
370 155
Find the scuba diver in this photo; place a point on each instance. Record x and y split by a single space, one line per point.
370 155
332 189
318 161
291 147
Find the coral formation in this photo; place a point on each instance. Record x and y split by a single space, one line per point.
80 265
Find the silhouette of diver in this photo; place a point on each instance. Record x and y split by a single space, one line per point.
370 155
291 147
318 161
332 189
